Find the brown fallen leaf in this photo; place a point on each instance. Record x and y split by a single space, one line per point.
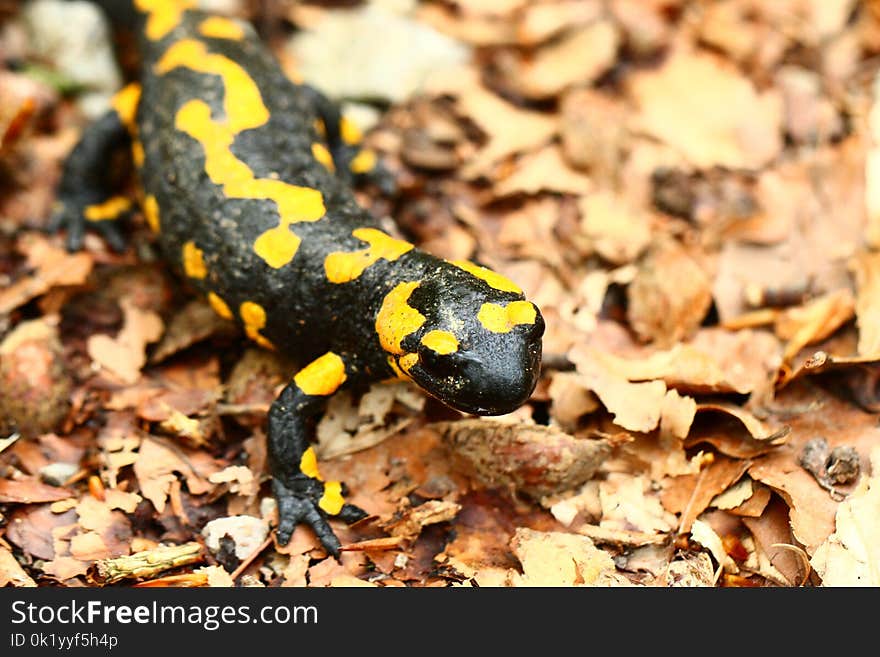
155 470
409 522
594 131
669 296
851 555
125 355
690 495
535 460
538 22
691 570
866 269
52 267
30 491
510 130
558 559
703 106
579 56
736 433
616 229
11 571
814 321
195 322
812 508
543 171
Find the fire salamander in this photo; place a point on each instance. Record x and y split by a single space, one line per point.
245 179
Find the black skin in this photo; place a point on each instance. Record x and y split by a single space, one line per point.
306 314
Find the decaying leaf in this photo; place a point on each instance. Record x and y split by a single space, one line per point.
706 108
556 559
532 459
125 354
851 555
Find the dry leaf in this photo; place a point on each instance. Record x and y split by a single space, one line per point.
557 559
815 321
578 57
53 266
669 296
510 130
851 555
544 170
155 470
125 354
703 106
538 22
617 229
535 460
11 571
866 268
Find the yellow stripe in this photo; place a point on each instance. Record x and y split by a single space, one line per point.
442 342
331 501
349 132
243 109
396 318
493 279
194 261
502 319
323 156
308 464
125 103
108 210
219 306
162 15
218 27
342 267
254 317
321 377
363 162
151 212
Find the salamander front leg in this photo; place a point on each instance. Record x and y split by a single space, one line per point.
84 201
301 492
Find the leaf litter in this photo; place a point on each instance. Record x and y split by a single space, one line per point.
688 191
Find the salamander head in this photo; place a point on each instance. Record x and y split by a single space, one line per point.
466 335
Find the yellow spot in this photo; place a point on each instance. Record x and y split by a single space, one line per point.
254 317
162 15
399 373
442 342
219 306
331 501
493 279
397 319
308 464
108 210
125 103
323 156
242 103
243 109
137 152
319 127
322 376
363 162
151 212
194 261
501 319
349 132
407 361
342 267
218 27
